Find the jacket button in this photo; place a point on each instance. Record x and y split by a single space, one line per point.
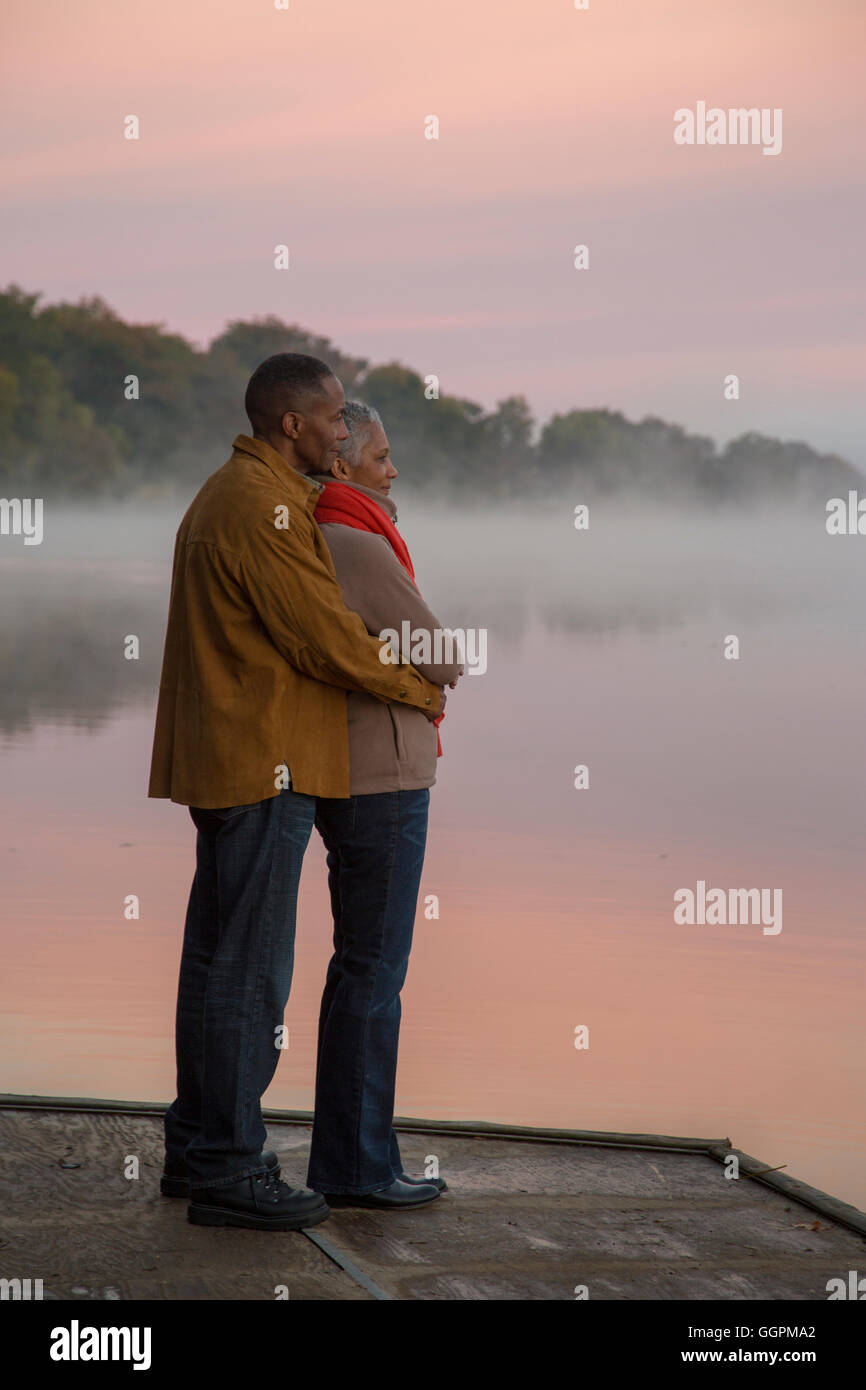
402 693
427 701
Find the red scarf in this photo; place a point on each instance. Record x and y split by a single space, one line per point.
347 507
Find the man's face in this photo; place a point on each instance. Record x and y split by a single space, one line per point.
320 428
374 468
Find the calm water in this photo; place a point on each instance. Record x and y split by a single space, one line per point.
556 904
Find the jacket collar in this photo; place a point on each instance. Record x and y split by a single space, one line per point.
389 507
304 488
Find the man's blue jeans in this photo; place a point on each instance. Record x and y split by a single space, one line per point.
375 847
235 977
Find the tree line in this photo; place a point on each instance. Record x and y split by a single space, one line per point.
67 428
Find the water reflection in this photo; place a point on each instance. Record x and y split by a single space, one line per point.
556 906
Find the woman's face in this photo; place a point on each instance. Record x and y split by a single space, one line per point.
374 468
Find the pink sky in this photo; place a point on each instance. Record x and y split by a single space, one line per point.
306 127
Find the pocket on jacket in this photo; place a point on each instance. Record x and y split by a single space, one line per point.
399 742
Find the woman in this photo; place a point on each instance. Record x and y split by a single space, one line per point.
375 842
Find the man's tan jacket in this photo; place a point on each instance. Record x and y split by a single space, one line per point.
260 648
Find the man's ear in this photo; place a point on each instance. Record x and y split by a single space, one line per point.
291 424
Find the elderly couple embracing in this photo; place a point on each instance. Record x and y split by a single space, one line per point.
276 715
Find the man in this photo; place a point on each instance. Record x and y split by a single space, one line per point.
251 728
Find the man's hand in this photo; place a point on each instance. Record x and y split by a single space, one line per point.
433 714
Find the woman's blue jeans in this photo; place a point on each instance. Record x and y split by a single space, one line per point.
375 847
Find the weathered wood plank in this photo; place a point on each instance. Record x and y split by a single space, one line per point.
521 1219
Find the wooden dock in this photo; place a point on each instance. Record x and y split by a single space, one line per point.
529 1214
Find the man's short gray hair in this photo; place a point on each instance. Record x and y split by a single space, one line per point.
358 418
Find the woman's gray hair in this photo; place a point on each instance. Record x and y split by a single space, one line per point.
358 418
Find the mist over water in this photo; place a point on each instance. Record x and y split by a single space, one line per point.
605 648
104 571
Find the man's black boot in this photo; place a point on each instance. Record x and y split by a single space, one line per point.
261 1203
